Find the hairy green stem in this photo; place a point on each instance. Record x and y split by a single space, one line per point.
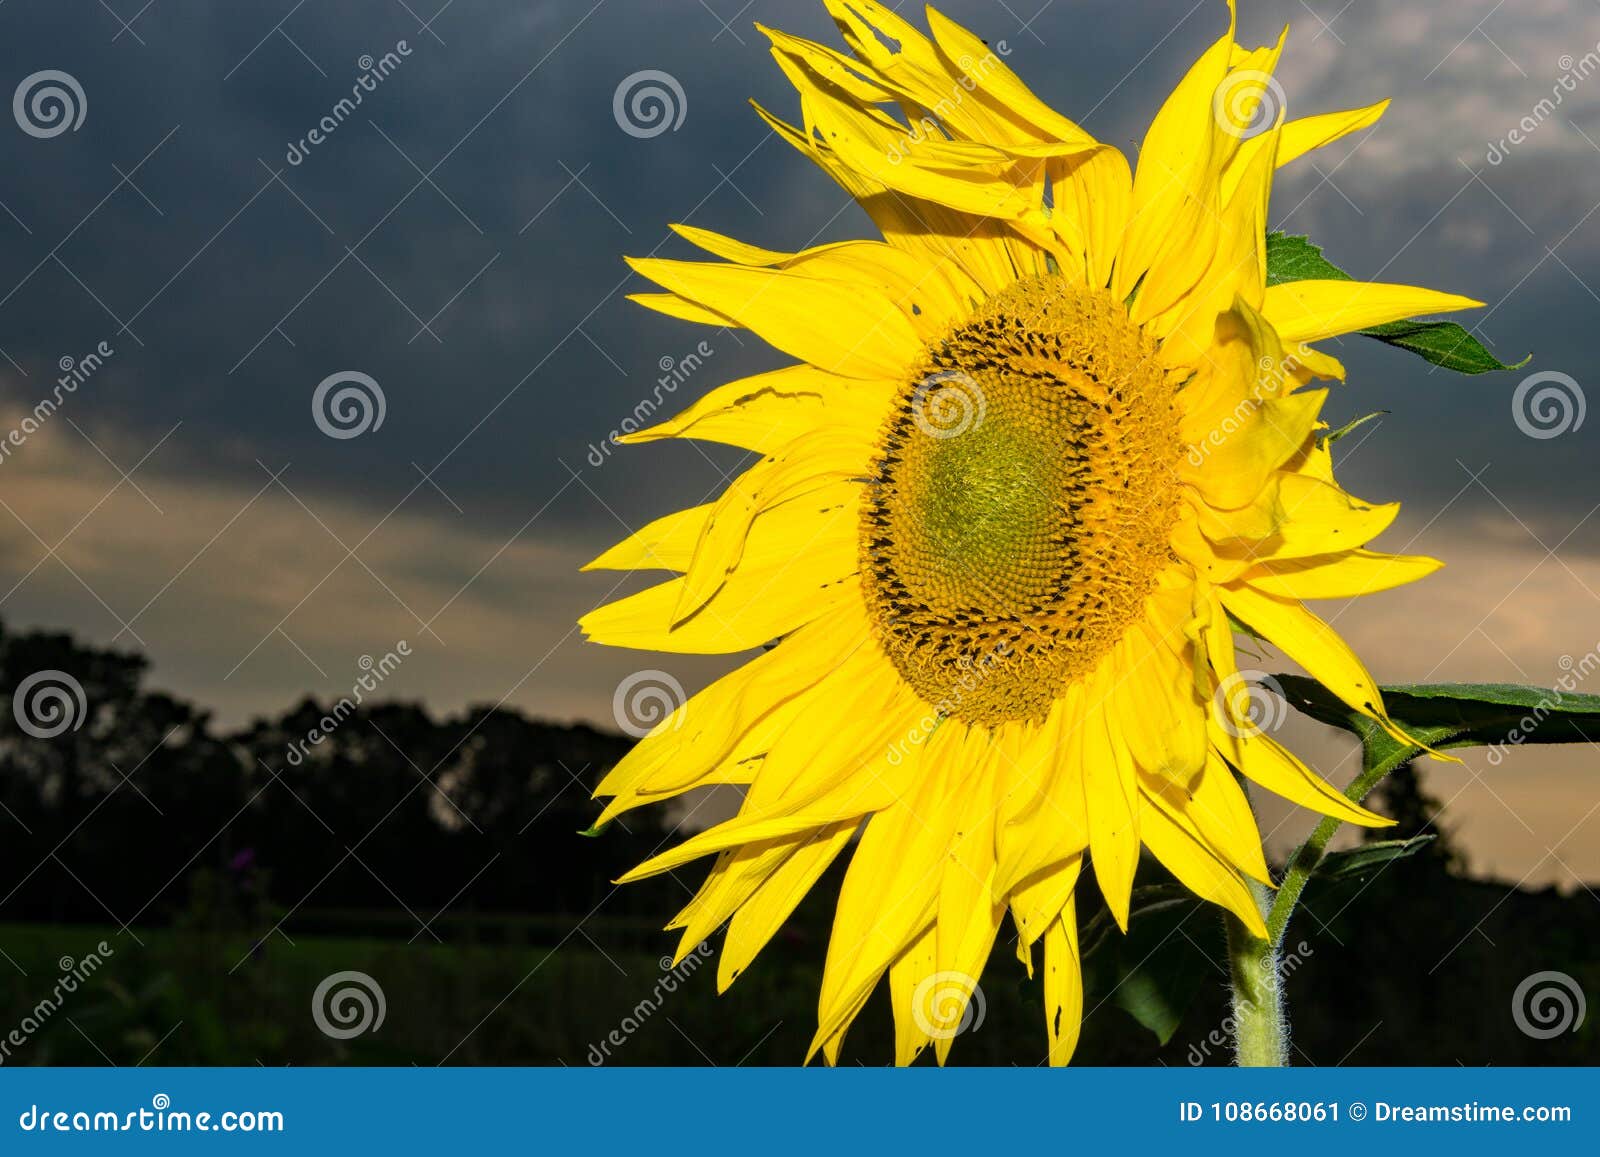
1308 855
1260 1026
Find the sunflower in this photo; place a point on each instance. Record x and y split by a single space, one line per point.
1043 450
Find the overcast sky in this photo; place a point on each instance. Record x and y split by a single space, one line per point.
458 240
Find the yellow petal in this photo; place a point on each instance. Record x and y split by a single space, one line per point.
1259 519
1198 868
1305 364
833 66
983 76
805 499
1321 518
1214 811
1241 466
1194 548
889 893
932 295
674 306
893 50
777 896
968 912
1315 646
1263 760
920 160
910 971
758 572
1092 197
1109 797
1043 821
735 876
704 733
1063 985
1172 222
980 246
1307 133
1312 310
848 328
817 772
665 544
1339 576
754 605
1243 424
1038 900
1154 711
1238 268
768 411
853 741
1255 754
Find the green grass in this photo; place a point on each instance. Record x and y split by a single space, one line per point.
200 998
240 1004
542 992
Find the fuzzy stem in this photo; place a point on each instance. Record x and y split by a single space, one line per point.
1260 1026
1308 855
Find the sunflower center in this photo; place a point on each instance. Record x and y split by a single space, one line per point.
1022 501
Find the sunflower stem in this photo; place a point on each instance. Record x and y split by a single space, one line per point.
1260 1024
1308 855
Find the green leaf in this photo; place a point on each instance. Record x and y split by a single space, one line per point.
1445 715
1440 715
1292 257
1156 970
1443 343
1155 1001
1367 857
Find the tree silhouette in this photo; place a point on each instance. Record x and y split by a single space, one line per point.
115 813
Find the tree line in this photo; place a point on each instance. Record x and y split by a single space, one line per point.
118 801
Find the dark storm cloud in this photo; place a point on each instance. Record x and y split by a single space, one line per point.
458 238
486 297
